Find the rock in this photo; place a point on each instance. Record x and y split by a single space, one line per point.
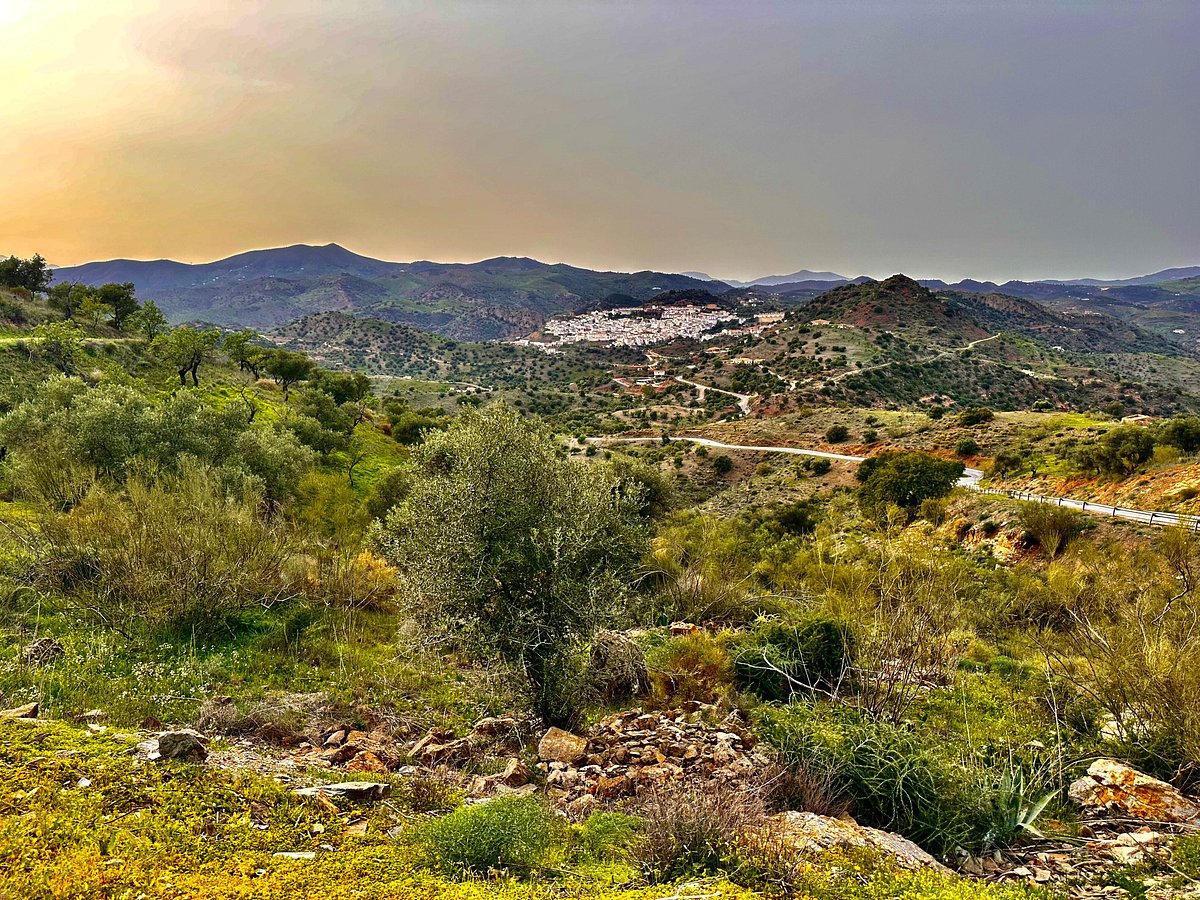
515 774
562 746
185 745
809 832
1113 788
582 807
684 629
611 788
295 854
92 715
336 739
366 761
42 652
28 711
357 791
442 754
493 726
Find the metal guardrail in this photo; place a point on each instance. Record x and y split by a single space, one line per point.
1144 516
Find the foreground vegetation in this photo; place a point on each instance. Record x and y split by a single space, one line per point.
194 519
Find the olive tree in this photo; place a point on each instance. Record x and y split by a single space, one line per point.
523 552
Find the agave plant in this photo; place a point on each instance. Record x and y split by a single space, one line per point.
1013 812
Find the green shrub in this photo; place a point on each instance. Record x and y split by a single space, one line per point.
1051 526
606 834
975 415
837 434
513 834
692 667
778 660
967 447
893 778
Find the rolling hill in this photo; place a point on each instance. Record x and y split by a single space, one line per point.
496 298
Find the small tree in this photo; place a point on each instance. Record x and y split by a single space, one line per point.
239 347
67 297
722 464
904 480
522 551
287 367
32 274
185 349
149 321
120 299
93 310
61 342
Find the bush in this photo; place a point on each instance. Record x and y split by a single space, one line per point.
870 436
509 834
692 667
616 669
606 834
893 778
1051 526
903 480
169 550
722 464
778 660
967 447
800 517
933 511
975 415
837 434
693 830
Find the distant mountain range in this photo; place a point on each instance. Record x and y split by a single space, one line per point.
495 298
511 296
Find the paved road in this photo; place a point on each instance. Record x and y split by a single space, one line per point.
970 480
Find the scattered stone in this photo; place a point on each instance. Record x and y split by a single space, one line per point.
357 791
336 739
92 715
561 746
184 745
28 711
295 854
809 832
684 629
42 652
1113 788
366 762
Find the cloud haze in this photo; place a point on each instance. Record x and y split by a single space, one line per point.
1003 140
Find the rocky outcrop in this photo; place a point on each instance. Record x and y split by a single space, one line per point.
1112 788
630 751
809 833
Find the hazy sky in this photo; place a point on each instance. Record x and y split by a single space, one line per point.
990 139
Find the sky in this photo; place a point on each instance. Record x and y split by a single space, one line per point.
997 140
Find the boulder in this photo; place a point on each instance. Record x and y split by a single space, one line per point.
515 774
184 745
809 833
359 791
1113 788
28 711
557 745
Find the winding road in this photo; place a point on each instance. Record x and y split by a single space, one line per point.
970 480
